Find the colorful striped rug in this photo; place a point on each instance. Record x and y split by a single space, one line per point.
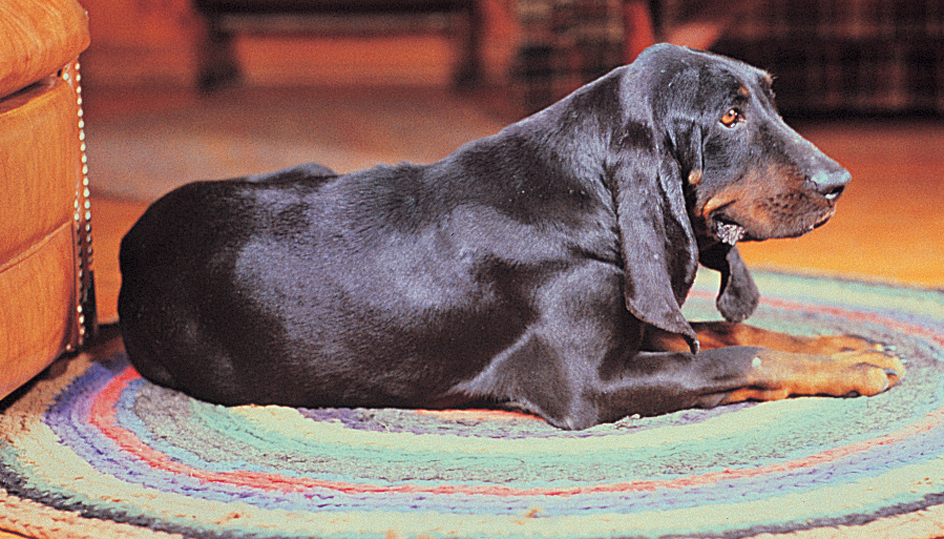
96 451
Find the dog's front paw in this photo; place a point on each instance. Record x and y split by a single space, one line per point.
870 371
775 375
847 373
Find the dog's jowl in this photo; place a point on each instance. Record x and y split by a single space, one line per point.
542 268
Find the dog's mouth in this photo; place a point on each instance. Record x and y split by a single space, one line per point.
724 228
721 225
728 231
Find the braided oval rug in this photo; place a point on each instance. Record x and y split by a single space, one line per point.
95 451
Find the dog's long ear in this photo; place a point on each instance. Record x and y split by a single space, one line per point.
687 142
738 296
658 246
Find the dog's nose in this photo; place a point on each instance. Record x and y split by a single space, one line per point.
831 183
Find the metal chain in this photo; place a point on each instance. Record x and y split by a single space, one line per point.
85 301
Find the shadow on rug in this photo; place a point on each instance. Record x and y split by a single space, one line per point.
96 451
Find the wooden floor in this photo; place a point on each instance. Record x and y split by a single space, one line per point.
889 227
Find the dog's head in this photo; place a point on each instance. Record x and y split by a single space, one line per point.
702 161
748 175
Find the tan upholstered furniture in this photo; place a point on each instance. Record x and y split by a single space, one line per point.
46 289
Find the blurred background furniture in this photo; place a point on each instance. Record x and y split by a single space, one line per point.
563 45
47 301
832 56
835 56
223 18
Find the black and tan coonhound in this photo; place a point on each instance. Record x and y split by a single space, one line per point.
541 268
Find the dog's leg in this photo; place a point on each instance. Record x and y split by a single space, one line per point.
718 334
777 375
713 335
660 382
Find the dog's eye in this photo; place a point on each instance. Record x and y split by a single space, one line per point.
731 118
